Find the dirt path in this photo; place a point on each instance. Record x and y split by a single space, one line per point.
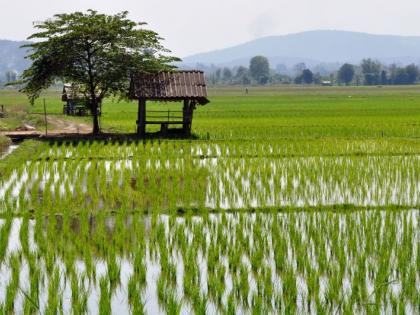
63 126
56 126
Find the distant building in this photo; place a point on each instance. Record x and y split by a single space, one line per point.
76 102
326 83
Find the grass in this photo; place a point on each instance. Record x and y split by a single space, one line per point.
4 143
16 116
277 112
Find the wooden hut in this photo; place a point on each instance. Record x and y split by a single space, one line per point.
75 102
188 87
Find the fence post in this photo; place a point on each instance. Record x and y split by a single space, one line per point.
45 117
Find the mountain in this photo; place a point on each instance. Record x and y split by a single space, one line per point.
329 48
316 47
12 57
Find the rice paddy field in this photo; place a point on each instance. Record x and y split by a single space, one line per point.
288 200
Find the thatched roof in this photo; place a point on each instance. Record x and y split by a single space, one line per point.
169 86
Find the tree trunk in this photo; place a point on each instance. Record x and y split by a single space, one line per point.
96 128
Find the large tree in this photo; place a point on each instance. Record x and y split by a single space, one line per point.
259 69
371 70
307 76
97 52
346 73
412 73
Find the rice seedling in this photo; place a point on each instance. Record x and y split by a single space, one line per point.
105 297
54 303
12 288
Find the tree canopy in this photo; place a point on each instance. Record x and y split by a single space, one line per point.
97 52
307 76
371 71
346 73
259 69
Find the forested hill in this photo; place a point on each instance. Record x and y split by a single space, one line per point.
312 48
12 57
317 47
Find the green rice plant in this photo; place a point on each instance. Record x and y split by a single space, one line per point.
114 271
105 297
134 296
4 237
12 288
79 295
55 302
173 305
231 305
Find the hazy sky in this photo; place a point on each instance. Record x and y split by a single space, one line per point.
191 26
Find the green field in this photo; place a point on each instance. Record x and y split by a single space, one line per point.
277 112
290 200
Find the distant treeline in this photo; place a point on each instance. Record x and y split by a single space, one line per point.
259 71
368 72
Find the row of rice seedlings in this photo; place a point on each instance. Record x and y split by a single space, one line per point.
294 262
96 185
161 175
277 127
263 148
159 184
362 181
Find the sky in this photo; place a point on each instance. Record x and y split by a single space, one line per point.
193 26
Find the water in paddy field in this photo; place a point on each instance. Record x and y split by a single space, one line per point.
292 262
9 150
212 183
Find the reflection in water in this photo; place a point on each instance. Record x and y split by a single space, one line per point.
293 262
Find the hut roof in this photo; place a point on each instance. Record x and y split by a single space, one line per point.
170 86
74 92
69 92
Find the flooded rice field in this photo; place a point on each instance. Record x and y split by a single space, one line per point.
259 263
210 228
207 177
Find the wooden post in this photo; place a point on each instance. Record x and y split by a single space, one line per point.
191 108
141 117
186 117
45 117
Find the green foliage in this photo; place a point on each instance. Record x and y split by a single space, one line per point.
371 71
406 75
97 52
346 73
307 77
4 143
259 69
